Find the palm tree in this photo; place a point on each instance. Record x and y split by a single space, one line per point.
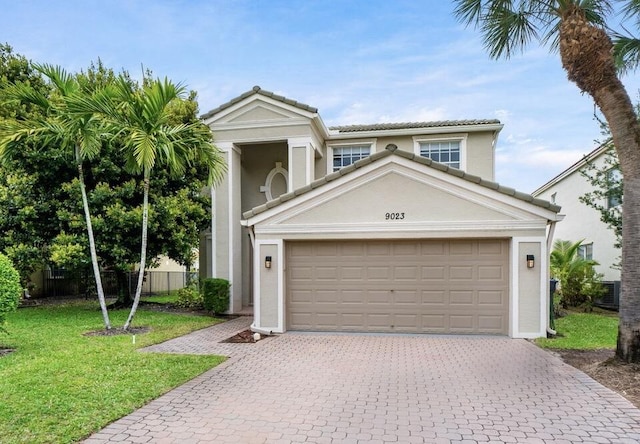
143 119
586 46
80 132
576 274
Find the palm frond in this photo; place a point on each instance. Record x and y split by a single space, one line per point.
626 52
64 82
507 30
469 12
24 93
631 10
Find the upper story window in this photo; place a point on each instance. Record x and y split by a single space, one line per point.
585 251
443 151
346 155
614 188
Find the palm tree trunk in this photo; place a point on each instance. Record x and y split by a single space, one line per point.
143 252
92 249
586 53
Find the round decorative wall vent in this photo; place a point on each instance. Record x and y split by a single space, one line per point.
272 180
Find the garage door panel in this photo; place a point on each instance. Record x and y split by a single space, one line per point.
327 273
353 274
357 297
326 321
379 297
434 323
491 272
461 248
461 323
491 298
378 249
491 248
461 298
379 321
464 273
353 321
405 322
327 297
406 273
435 286
434 297
410 298
352 249
433 249
406 249
301 296
434 273
301 273
379 273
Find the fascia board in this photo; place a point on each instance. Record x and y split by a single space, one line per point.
415 131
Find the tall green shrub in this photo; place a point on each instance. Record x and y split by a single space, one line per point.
578 281
10 289
216 294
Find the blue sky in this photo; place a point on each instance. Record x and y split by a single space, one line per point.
357 61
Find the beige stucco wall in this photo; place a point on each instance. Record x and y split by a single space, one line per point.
396 193
583 222
257 161
478 147
298 173
223 241
269 291
480 155
529 291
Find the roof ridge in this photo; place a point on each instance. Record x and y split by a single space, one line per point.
406 125
263 92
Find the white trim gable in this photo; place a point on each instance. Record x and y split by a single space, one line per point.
232 116
515 213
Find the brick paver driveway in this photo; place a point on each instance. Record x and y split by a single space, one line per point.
378 388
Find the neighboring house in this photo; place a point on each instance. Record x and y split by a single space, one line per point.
581 221
383 228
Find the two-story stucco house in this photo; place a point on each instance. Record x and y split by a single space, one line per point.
582 222
372 228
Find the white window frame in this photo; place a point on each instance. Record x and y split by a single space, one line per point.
612 183
460 138
585 251
330 147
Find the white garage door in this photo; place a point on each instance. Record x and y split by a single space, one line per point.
434 286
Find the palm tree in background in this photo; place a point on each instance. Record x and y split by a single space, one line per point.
592 54
80 132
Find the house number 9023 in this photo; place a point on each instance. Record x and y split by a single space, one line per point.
394 216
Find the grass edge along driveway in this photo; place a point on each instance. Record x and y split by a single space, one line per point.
60 386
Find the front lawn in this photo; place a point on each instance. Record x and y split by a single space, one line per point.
59 385
584 331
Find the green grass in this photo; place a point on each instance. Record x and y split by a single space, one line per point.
59 385
161 298
584 331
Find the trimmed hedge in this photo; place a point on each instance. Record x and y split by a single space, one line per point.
215 293
10 289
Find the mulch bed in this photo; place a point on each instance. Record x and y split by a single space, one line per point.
603 366
244 337
119 331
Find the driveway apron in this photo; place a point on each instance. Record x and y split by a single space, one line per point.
375 388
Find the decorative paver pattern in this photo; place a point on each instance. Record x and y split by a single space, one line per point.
368 388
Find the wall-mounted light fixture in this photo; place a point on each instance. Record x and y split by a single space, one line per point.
531 261
267 262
